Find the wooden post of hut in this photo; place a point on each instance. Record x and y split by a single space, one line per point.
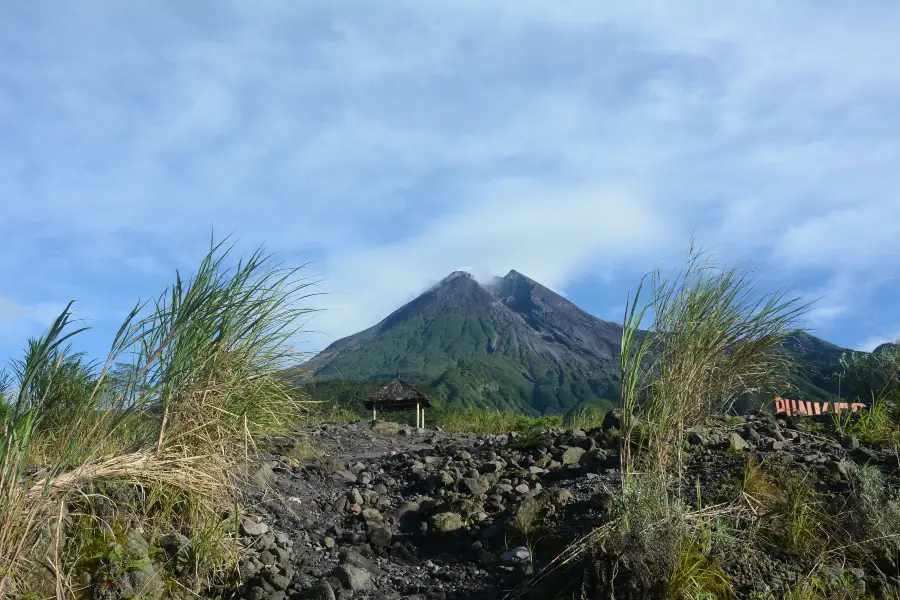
399 395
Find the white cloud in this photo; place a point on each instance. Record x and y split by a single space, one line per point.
393 145
551 236
873 342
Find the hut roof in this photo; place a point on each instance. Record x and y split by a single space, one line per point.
397 394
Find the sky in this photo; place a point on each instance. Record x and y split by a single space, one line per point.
387 144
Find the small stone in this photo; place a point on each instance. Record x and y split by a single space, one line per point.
490 467
256 593
446 522
695 439
561 497
522 488
380 536
345 476
386 428
737 443
850 442
517 555
572 455
612 420
329 542
371 515
323 591
354 497
354 578
474 486
174 543
264 476
250 527
279 582
441 479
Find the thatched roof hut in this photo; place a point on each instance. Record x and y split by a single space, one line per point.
396 395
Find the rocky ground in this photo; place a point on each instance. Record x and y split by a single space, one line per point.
385 511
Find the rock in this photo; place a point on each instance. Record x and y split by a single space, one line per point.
517 555
840 467
474 485
850 442
407 517
263 477
695 439
560 497
354 578
522 488
323 591
250 527
774 445
737 443
441 479
612 420
329 542
490 467
256 593
386 428
865 455
380 536
572 455
141 582
345 476
354 497
265 542
371 515
445 522
279 582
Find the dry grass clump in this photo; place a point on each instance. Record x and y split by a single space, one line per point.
191 379
713 339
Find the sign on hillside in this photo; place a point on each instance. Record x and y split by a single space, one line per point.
784 405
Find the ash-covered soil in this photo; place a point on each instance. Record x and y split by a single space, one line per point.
387 512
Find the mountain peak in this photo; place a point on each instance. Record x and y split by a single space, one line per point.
458 274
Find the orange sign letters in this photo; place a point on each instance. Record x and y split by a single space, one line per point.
784 405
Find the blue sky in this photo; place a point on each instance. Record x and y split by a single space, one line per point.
580 143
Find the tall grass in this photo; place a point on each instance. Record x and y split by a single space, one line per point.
713 338
190 380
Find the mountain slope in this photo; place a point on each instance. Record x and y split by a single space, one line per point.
516 345
512 344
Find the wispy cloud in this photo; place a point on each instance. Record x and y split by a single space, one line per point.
565 140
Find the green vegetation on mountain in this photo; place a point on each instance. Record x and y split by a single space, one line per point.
514 345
